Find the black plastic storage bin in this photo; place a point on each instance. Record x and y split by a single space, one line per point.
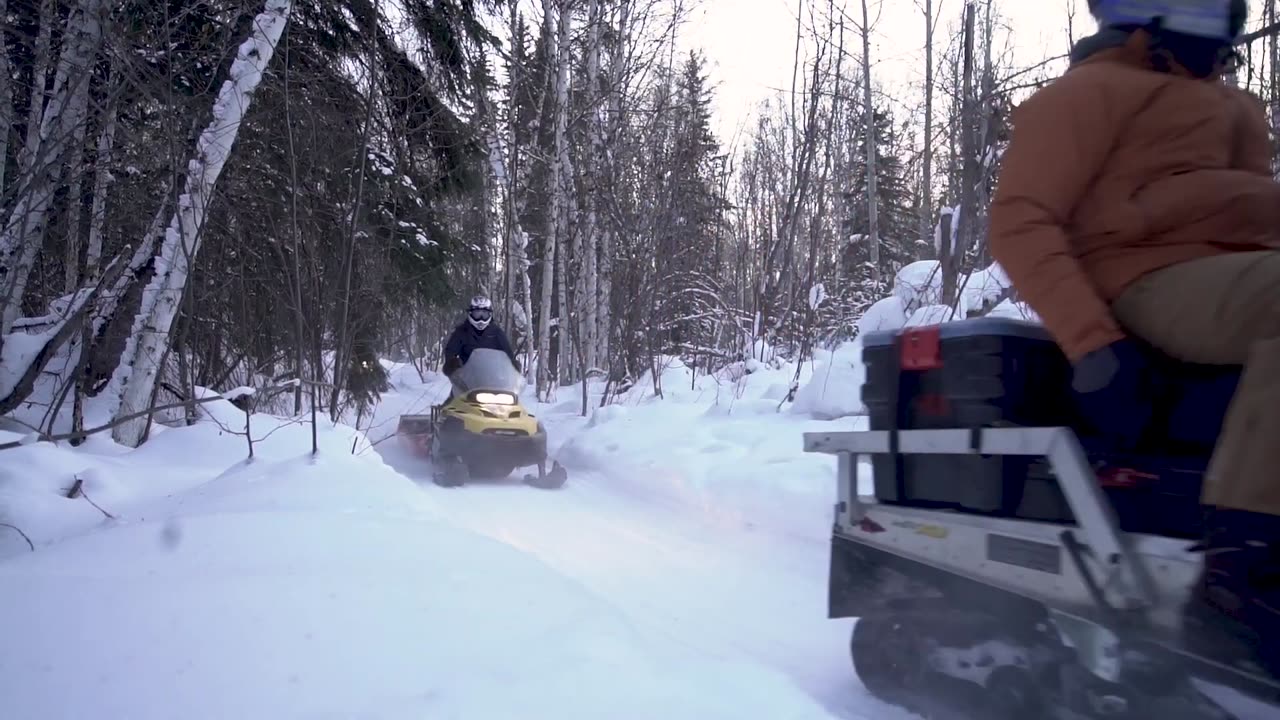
980 372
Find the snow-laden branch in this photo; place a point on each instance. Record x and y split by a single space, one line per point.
24 356
233 396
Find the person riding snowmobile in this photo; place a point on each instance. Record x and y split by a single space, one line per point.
477 331
1136 207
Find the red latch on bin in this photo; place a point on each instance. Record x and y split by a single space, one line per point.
921 348
1122 477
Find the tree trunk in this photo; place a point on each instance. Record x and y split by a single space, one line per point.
75 211
618 69
984 151
136 376
868 108
588 295
92 262
561 203
101 183
63 116
967 224
6 102
927 219
39 81
342 351
555 230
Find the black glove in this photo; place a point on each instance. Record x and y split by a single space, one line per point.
1116 390
451 363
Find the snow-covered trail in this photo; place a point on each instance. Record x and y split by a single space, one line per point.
721 589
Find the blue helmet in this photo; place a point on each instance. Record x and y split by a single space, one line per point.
1221 20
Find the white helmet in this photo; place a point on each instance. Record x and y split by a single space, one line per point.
480 312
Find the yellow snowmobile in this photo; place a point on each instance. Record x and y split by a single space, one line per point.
482 431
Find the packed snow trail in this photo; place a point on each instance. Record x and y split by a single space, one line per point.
722 589
703 527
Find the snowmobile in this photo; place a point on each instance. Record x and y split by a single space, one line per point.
1007 561
482 431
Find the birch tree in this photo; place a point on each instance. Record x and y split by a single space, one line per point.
926 151
868 108
589 300
62 119
556 217
619 70
135 378
39 82
6 101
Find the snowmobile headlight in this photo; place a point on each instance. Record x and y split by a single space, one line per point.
487 398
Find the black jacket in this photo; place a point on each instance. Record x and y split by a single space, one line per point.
465 338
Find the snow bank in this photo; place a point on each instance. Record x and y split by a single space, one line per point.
318 587
919 285
16 355
886 314
931 315
984 288
36 478
835 388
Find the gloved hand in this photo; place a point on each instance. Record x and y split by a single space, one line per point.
451 364
1115 389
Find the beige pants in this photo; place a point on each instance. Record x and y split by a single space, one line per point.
1224 310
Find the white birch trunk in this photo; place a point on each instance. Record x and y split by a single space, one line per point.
546 381
92 261
526 297
604 271
868 108
564 326
101 181
6 101
39 78
587 294
968 145
75 210
926 179
547 261
65 113
135 377
544 314
492 204
986 142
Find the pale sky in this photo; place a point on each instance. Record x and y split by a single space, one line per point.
750 44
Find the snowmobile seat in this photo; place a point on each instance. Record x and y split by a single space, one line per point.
1000 372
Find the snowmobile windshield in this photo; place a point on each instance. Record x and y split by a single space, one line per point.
488 369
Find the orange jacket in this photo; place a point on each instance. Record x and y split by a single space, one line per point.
1113 171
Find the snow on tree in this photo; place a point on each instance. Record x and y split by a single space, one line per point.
134 380
817 294
63 118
